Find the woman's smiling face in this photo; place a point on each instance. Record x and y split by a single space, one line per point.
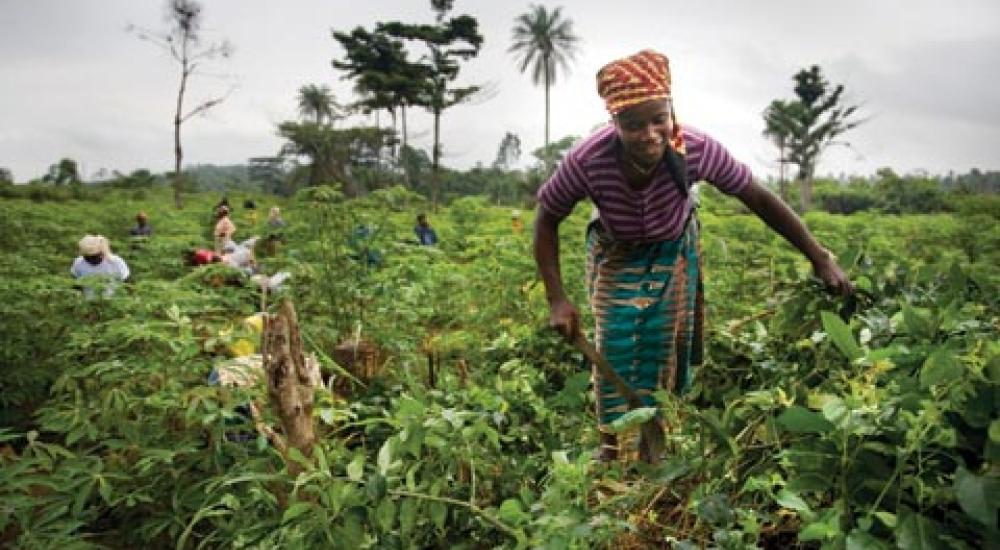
645 130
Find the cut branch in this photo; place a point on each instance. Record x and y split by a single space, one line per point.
291 381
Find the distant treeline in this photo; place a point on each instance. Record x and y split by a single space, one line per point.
886 191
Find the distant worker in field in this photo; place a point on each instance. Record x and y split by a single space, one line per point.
643 254
224 228
274 219
251 208
236 255
516 224
96 260
275 235
241 255
425 233
224 201
142 227
201 256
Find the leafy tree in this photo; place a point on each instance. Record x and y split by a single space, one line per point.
544 40
804 127
65 172
331 152
547 158
6 176
317 102
383 75
448 43
508 153
182 40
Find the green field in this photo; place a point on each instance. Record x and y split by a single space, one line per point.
813 423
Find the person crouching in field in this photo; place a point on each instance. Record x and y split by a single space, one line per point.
643 253
96 260
142 227
239 256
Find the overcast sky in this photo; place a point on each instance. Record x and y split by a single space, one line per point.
76 84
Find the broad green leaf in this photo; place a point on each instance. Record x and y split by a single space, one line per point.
887 518
841 335
860 540
633 419
408 508
511 512
384 459
826 528
295 510
356 468
439 513
940 367
376 486
798 419
791 500
385 514
916 532
836 411
995 431
818 530
918 322
974 495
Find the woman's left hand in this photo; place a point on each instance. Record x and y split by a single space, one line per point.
832 275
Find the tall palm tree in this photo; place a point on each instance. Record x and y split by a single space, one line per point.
317 103
543 40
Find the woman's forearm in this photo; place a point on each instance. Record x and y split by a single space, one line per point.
547 255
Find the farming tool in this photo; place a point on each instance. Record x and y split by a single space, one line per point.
651 433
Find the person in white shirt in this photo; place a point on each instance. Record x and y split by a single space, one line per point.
96 260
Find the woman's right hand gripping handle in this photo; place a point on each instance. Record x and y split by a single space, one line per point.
564 317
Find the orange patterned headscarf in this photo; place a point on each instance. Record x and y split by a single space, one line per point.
631 80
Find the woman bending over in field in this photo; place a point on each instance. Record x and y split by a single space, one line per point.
643 256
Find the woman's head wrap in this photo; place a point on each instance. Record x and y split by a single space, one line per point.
635 79
92 245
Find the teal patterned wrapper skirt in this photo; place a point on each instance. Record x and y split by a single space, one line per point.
648 303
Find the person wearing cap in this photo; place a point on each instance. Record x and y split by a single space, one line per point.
224 229
643 255
96 260
142 227
274 219
516 224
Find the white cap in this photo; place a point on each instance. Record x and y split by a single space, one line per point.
91 245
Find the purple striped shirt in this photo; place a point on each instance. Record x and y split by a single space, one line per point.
655 212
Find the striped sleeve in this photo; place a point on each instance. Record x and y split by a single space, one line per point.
564 189
718 167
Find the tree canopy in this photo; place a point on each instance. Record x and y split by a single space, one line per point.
804 127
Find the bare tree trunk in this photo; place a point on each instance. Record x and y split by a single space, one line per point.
291 381
406 168
546 108
806 199
178 120
782 164
436 158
